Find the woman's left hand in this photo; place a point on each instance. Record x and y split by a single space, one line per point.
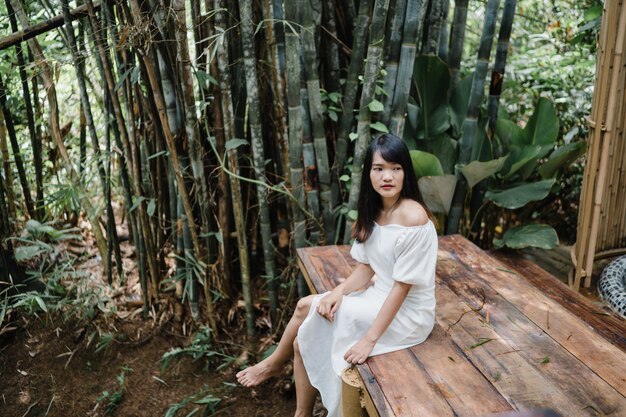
359 352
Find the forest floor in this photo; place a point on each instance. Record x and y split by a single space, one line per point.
48 369
111 364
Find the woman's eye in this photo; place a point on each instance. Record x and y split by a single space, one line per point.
397 168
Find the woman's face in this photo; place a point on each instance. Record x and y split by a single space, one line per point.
387 177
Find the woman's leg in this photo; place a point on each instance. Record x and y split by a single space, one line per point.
305 392
273 364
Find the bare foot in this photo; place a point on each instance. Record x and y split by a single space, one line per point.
254 375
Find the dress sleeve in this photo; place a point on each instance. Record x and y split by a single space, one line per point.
358 252
416 257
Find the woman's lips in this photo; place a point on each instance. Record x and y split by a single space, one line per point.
387 187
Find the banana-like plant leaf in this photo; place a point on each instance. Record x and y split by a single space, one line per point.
425 164
516 197
438 192
476 171
543 126
445 148
519 158
432 77
561 157
535 235
509 133
459 101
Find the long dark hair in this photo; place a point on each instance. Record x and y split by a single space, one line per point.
394 150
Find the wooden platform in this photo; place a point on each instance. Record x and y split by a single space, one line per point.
508 337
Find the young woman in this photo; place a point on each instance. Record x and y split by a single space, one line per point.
396 241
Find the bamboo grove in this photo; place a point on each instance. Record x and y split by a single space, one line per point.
232 132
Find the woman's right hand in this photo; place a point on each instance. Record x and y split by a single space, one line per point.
329 304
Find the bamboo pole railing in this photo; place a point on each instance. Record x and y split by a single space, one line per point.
601 228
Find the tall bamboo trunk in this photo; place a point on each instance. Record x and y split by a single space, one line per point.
292 64
432 29
413 23
8 173
17 155
55 128
372 69
86 107
30 118
470 125
457 39
256 136
444 34
393 57
233 163
317 119
359 48
497 75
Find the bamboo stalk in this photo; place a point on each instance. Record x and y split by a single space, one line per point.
352 84
372 69
34 140
497 75
444 35
415 13
229 133
317 122
432 28
393 57
470 124
457 39
292 75
256 136
55 128
8 173
17 155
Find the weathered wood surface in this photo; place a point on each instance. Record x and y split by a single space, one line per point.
610 326
505 338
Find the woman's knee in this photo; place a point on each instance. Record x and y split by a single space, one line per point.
303 306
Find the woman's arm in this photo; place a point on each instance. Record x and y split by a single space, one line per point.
362 349
328 305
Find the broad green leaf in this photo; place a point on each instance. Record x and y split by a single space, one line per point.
518 158
425 164
378 126
535 235
432 80
459 101
543 126
26 253
593 12
477 171
376 106
235 143
561 157
437 192
352 214
40 302
516 197
509 133
353 136
445 148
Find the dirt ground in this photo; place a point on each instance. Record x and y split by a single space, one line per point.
50 369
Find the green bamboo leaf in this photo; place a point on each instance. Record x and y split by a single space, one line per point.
378 126
352 214
41 303
437 192
516 197
477 171
529 235
344 178
235 143
376 106
425 164
561 157
151 207
353 136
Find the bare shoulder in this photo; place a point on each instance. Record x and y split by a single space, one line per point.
411 213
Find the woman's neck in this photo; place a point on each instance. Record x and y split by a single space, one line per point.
389 205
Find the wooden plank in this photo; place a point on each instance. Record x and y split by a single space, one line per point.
611 327
565 372
407 387
604 358
374 393
324 267
523 385
463 386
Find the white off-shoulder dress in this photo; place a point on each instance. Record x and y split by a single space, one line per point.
395 253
